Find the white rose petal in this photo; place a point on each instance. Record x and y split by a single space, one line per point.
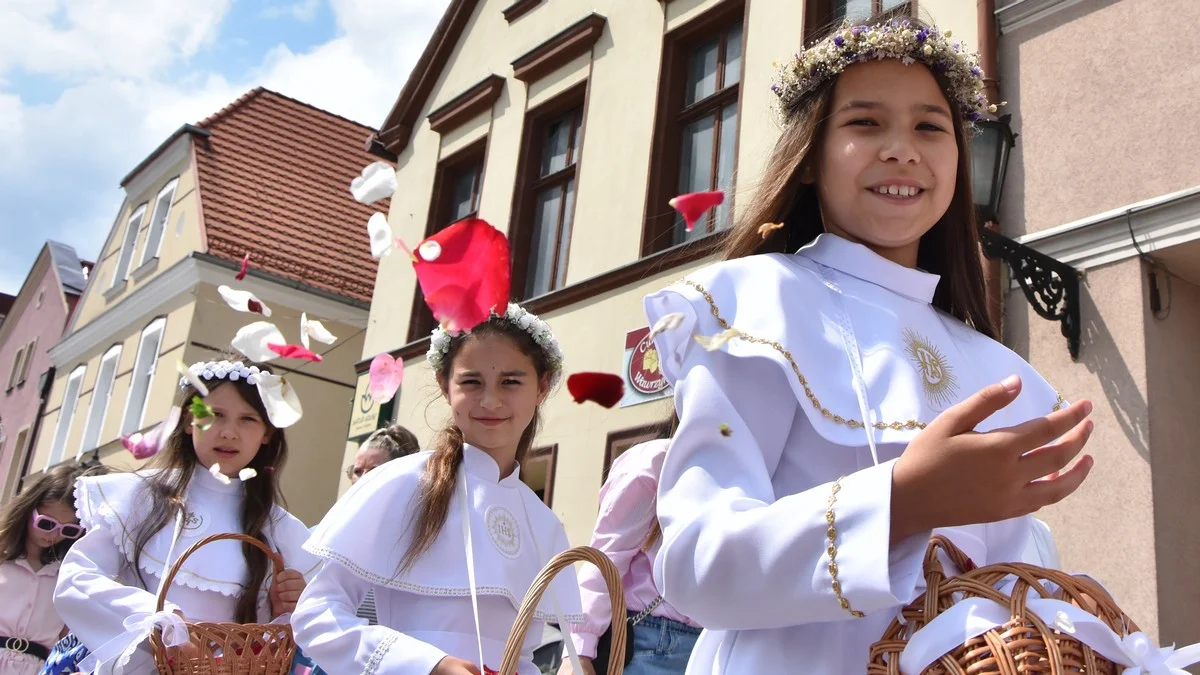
252 340
311 328
240 300
381 235
430 251
192 379
377 181
280 400
215 470
246 474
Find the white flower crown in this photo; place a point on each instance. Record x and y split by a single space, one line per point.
896 39
439 342
222 370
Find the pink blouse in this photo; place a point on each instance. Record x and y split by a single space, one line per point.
627 514
27 611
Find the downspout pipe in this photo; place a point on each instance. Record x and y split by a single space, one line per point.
989 60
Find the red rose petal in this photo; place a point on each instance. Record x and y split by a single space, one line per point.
245 268
293 352
489 671
254 306
694 205
602 388
469 278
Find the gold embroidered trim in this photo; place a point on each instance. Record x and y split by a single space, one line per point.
831 533
808 392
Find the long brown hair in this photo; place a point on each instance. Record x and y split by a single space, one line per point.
441 471
55 486
949 249
178 460
665 430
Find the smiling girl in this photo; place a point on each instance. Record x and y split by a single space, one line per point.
449 540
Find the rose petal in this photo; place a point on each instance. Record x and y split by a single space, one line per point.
143 446
215 470
386 375
604 389
252 340
311 328
241 275
667 322
469 278
766 229
192 379
280 400
381 235
243 301
717 341
293 352
377 181
1064 623
246 474
430 251
695 204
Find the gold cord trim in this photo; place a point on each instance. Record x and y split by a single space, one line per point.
831 533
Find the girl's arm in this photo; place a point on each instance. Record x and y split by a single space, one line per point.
327 630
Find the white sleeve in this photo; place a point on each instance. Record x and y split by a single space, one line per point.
328 631
736 556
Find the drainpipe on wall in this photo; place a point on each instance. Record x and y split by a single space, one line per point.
990 62
31 444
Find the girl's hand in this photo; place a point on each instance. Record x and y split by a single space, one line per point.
452 666
950 475
584 662
285 592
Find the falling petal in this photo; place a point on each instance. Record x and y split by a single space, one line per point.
241 275
1064 623
377 181
386 375
725 430
766 229
252 340
667 322
381 235
311 328
246 474
604 389
144 446
469 276
280 400
293 352
243 301
430 251
215 470
458 309
695 204
192 379
717 341
489 671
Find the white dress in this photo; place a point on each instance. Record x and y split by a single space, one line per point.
98 586
426 613
743 506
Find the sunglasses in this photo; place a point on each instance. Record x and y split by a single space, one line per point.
51 526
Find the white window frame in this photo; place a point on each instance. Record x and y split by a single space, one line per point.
66 415
98 411
16 367
143 363
29 350
159 223
125 258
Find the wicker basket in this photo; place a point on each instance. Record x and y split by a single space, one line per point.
1025 644
616 594
226 648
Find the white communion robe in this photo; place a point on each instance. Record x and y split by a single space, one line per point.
425 613
98 586
743 506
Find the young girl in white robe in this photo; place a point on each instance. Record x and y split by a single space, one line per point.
840 392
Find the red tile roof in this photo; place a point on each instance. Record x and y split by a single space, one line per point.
274 179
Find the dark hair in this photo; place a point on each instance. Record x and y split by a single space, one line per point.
438 479
395 441
55 486
663 430
178 460
950 248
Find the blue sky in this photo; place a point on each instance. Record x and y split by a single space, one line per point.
89 87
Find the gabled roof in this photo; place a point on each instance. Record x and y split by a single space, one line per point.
274 181
69 268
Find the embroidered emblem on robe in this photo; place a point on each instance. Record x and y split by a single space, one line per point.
193 522
502 527
941 386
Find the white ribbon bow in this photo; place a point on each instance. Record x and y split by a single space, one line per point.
975 616
138 628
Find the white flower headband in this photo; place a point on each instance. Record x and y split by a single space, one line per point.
223 370
896 39
439 342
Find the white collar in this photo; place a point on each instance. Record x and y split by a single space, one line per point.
481 466
859 261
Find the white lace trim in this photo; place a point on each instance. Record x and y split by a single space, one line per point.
377 656
420 589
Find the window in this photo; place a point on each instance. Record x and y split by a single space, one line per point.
620 441
545 200
456 188
30 349
142 375
126 255
101 393
696 126
66 413
16 368
158 222
820 16
537 471
41 296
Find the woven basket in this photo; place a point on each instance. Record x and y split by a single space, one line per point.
616 595
226 648
1025 645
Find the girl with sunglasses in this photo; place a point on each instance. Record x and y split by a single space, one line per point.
36 529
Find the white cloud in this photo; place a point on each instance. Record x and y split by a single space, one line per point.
303 10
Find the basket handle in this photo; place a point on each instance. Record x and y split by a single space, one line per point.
276 559
616 594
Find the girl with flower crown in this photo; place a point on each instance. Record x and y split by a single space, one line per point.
449 540
847 396
213 475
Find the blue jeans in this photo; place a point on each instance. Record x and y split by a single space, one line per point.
661 647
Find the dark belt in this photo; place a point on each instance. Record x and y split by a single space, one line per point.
24 646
